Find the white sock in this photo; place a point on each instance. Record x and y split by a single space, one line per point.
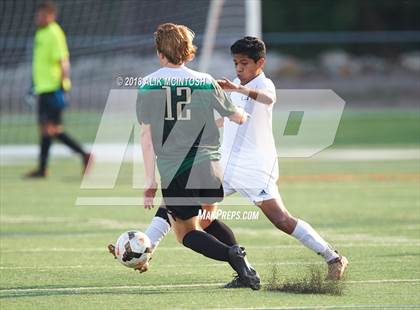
157 230
311 239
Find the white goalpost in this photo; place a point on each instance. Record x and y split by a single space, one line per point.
213 18
252 24
107 40
253 18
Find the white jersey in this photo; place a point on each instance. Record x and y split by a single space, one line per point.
248 150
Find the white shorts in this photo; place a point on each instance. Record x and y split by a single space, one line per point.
251 188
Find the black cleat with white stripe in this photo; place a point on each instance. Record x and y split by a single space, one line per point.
247 276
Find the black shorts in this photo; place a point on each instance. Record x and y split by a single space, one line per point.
189 189
50 108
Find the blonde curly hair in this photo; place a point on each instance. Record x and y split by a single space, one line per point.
175 42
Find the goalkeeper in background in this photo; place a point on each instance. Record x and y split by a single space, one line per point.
50 76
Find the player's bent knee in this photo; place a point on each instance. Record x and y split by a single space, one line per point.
56 129
209 209
182 228
179 237
204 223
180 234
50 129
178 230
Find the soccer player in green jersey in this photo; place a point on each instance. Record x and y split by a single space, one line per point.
179 135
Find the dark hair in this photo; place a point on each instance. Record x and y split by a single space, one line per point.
252 47
48 6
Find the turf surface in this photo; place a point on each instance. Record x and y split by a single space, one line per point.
387 127
53 253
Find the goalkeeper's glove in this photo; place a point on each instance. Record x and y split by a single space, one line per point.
30 97
66 84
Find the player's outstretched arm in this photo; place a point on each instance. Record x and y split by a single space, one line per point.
149 158
239 117
264 96
224 106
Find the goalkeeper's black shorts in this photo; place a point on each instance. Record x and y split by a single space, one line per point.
50 107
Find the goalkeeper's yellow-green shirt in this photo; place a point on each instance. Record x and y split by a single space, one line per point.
50 48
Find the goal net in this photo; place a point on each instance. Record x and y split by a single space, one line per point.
107 39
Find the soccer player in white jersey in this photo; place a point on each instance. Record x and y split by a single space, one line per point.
249 158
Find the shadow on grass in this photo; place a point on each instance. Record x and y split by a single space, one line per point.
311 283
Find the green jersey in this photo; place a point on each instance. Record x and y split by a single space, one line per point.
179 105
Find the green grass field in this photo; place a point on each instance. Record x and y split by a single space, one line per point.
53 253
389 127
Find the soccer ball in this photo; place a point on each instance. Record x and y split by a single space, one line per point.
133 249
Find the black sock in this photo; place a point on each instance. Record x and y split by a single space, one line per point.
63 137
162 212
45 149
222 232
206 244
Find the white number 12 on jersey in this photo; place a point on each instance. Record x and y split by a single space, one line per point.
182 115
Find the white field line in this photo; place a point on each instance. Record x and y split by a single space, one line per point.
181 248
356 306
15 154
168 286
111 223
136 202
368 154
270 231
170 266
101 222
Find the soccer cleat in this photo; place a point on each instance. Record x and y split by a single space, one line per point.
87 162
246 274
36 174
337 267
235 283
